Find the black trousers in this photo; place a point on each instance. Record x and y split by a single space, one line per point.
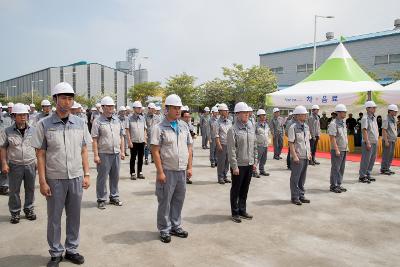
288 158
239 189
313 146
137 150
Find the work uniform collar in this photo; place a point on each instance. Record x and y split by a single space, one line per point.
56 119
241 125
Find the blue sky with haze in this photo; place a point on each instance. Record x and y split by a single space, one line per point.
197 37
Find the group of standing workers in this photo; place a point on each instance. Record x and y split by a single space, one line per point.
55 143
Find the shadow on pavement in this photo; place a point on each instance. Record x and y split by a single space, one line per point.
88 204
272 202
24 260
208 219
4 218
131 237
317 191
144 193
203 182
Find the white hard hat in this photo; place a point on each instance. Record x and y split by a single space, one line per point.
62 88
151 105
158 108
223 107
315 107
370 104
217 105
261 112
45 102
214 109
340 107
137 104
250 109
275 110
76 105
290 113
98 105
53 109
207 109
184 108
393 107
173 100
10 104
32 105
300 110
128 108
240 107
122 108
28 107
93 109
107 101
19 109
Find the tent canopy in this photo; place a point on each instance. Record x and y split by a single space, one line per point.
339 80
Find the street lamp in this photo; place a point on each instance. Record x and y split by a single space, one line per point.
32 83
315 37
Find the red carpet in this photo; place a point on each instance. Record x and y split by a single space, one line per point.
350 156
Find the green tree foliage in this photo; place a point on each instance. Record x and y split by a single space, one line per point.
183 85
215 91
143 90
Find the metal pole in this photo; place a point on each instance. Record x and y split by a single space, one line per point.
315 45
32 91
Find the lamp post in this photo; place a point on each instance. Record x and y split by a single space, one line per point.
32 84
315 38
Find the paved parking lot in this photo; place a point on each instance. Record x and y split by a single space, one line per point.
357 228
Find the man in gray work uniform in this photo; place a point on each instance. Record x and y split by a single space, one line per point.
61 149
389 137
315 131
19 162
369 145
213 132
205 128
171 147
223 125
277 130
337 131
300 152
108 150
262 131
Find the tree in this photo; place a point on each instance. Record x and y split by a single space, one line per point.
183 86
250 85
215 91
396 75
143 90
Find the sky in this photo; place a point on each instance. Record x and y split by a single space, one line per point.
197 37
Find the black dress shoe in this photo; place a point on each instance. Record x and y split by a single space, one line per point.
316 162
263 173
4 190
236 219
221 182
372 179
310 162
256 175
227 181
342 188
54 261
246 216
115 202
392 172
133 176
386 172
101 205
15 217
304 200
74 258
296 202
179 233
212 165
364 180
141 176
30 214
146 162
165 238
335 189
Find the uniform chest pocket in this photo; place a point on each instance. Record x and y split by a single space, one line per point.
169 137
14 140
300 137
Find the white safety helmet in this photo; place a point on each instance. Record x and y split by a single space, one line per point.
122 108
250 109
393 107
290 113
158 108
173 100
223 107
300 110
151 105
28 107
53 109
370 104
98 105
340 107
315 107
240 107
137 104
275 110
184 108
76 105
128 108
107 101
214 109
93 109
45 103
19 108
10 104
261 112
32 105
207 109
62 88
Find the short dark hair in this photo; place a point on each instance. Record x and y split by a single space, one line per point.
183 112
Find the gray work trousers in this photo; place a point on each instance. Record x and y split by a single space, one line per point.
170 196
338 164
17 174
64 193
298 178
222 163
367 160
262 157
387 155
204 137
213 151
108 167
278 145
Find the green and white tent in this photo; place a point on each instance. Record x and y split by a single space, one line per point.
339 80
